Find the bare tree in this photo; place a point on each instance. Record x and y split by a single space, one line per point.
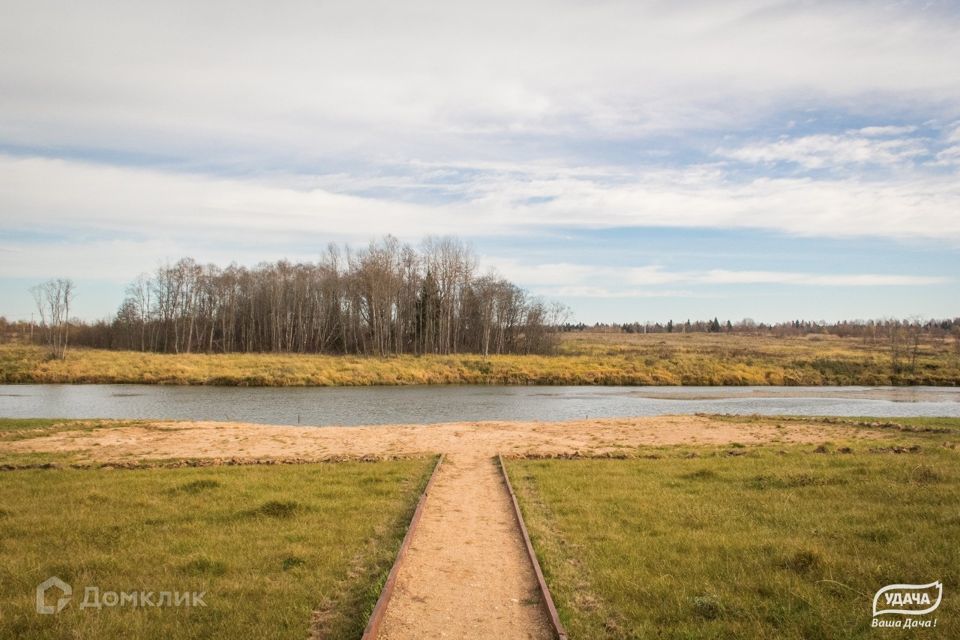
53 299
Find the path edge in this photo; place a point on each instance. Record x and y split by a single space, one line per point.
372 630
558 630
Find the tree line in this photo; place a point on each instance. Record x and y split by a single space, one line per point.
386 299
903 338
868 330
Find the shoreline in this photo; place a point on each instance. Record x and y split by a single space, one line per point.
666 387
121 442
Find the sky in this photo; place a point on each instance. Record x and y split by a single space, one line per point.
637 161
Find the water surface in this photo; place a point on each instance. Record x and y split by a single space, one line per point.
430 404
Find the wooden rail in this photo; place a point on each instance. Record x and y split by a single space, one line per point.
558 629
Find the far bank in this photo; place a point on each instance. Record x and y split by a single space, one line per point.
583 359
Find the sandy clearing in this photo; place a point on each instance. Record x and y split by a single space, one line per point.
240 440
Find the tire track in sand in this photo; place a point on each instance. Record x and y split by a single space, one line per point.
466 573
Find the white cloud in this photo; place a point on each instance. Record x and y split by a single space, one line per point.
608 293
954 134
720 276
887 130
949 156
276 217
484 105
96 199
832 151
559 274
582 280
117 260
303 80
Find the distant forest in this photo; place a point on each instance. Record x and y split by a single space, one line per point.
386 299
869 329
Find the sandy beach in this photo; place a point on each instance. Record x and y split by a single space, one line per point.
211 440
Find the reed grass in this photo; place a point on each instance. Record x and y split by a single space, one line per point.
583 359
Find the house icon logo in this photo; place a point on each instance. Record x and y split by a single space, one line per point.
53 582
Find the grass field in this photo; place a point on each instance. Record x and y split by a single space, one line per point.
275 549
747 542
583 358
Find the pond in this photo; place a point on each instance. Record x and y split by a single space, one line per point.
318 406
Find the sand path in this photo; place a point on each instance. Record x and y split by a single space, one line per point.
466 574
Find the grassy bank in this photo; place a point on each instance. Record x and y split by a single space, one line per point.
275 549
588 359
746 542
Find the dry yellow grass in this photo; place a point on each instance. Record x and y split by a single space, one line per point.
588 359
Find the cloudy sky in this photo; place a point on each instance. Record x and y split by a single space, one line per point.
636 160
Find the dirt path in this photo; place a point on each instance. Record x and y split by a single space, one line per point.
467 574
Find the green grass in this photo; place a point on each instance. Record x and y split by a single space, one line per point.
583 358
780 542
26 428
952 424
273 547
931 427
27 424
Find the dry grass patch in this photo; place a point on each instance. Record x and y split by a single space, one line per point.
583 358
